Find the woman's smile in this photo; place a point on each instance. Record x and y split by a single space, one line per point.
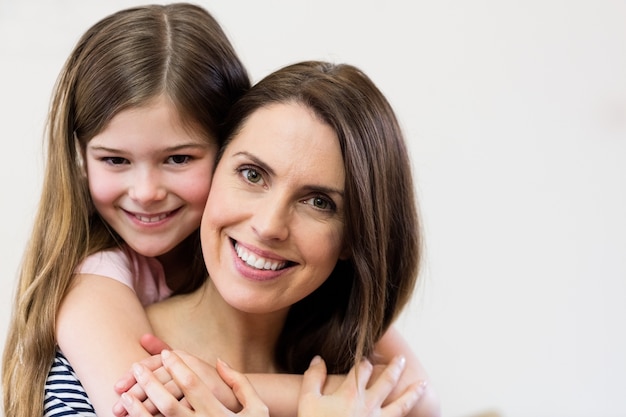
272 230
257 260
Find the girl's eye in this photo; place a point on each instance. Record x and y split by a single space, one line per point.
320 203
252 175
178 159
115 160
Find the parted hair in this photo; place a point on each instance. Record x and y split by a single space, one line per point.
123 61
344 318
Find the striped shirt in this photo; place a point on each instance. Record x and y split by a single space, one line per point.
64 395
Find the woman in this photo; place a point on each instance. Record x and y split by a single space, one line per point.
310 233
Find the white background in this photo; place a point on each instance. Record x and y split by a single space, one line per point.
515 112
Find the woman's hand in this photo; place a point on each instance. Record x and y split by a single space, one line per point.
355 397
199 398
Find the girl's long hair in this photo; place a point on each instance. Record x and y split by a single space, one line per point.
123 61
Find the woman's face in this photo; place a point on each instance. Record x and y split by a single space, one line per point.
272 230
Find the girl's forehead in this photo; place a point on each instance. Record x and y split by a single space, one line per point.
156 124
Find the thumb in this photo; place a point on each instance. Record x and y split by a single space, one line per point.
314 377
152 344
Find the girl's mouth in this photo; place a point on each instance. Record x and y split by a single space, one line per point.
151 218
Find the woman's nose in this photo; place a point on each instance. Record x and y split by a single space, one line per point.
271 220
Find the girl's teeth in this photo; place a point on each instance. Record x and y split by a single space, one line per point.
148 219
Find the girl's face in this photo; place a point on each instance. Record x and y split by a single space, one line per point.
149 177
272 230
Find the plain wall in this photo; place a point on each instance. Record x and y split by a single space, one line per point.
515 112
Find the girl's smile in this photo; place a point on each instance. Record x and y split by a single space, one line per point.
153 192
150 218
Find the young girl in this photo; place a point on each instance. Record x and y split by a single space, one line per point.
132 138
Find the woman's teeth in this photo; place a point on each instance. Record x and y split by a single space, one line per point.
257 261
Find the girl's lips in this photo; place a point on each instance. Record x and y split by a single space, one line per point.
149 218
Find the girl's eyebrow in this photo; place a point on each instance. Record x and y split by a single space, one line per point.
270 171
166 150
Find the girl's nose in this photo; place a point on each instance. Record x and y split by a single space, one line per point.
147 187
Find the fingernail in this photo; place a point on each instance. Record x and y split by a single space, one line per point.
223 363
137 370
401 361
126 399
165 354
316 359
422 386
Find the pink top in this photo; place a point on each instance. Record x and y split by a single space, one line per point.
145 276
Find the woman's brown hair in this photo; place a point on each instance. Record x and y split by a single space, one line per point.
344 318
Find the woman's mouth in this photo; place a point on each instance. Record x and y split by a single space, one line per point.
257 261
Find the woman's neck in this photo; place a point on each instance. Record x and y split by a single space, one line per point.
204 325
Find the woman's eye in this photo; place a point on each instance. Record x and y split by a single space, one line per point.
178 159
115 160
252 175
320 203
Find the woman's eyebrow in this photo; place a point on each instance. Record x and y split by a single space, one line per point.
323 189
257 161
311 187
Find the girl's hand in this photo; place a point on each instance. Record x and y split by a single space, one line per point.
153 345
160 375
354 397
129 385
199 398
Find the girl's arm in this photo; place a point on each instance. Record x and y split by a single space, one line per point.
199 398
353 398
98 327
281 391
393 344
360 394
278 390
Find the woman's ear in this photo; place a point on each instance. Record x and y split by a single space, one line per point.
344 255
